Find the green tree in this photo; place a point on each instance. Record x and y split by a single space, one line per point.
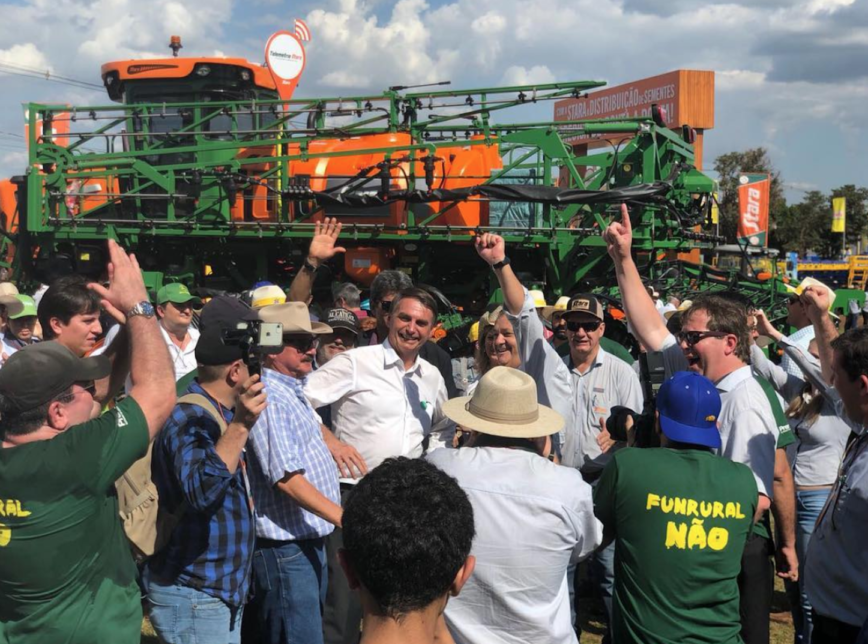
803 226
728 167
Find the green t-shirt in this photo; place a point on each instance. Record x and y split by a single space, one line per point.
66 572
609 346
680 519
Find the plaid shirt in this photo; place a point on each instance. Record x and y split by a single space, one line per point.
287 439
212 547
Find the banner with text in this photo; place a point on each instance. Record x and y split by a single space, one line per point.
753 208
839 214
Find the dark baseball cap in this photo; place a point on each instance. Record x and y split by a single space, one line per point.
689 407
584 303
221 314
40 372
342 319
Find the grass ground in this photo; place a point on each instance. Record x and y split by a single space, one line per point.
592 626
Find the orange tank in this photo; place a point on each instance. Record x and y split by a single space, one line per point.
363 264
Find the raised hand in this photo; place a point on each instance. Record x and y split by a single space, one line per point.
250 402
764 327
491 248
619 237
126 285
322 246
817 301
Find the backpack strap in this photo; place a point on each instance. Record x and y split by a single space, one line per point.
201 401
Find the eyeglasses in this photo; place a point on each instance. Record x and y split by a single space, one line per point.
587 327
693 337
88 387
386 305
302 344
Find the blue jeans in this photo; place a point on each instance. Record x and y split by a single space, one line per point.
809 503
289 589
601 567
184 615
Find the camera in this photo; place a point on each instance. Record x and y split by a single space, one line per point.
256 339
639 430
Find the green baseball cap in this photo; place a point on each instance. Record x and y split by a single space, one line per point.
28 308
177 294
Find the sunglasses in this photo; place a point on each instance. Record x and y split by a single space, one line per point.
587 327
386 305
693 337
302 344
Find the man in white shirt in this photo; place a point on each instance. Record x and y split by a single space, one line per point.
533 518
175 306
385 401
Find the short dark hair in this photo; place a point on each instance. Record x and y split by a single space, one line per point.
726 314
413 293
67 297
407 530
206 373
388 282
18 422
852 351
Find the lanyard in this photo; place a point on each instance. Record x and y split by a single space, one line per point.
850 455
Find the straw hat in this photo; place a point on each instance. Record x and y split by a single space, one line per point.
14 306
813 282
504 403
560 306
294 317
686 304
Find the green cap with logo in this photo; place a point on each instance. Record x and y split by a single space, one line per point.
177 294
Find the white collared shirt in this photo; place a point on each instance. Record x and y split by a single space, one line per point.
609 382
533 518
183 360
378 407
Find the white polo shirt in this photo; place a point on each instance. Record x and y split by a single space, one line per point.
533 518
748 432
378 407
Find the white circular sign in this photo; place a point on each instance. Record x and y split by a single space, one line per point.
743 179
285 57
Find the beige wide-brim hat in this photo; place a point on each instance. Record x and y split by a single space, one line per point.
686 304
560 306
14 306
295 319
504 403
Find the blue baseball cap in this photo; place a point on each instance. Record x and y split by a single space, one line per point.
689 407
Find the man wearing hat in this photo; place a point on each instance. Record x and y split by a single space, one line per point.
266 295
295 490
533 518
175 306
344 325
66 574
797 317
20 325
198 583
680 516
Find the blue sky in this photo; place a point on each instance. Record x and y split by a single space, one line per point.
791 74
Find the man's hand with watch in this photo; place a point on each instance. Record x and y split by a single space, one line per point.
492 249
126 294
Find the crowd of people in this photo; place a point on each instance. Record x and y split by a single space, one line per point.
354 482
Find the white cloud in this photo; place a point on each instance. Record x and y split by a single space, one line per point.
26 55
517 75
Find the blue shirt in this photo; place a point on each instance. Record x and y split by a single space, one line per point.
285 440
212 546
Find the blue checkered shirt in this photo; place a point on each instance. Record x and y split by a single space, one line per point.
287 439
211 548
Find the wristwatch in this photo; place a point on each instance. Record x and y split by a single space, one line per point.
307 266
504 262
143 308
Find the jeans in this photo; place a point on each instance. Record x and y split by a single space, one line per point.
809 503
184 615
601 567
289 588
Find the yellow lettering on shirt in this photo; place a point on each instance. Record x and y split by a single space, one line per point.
694 534
676 535
12 508
5 536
